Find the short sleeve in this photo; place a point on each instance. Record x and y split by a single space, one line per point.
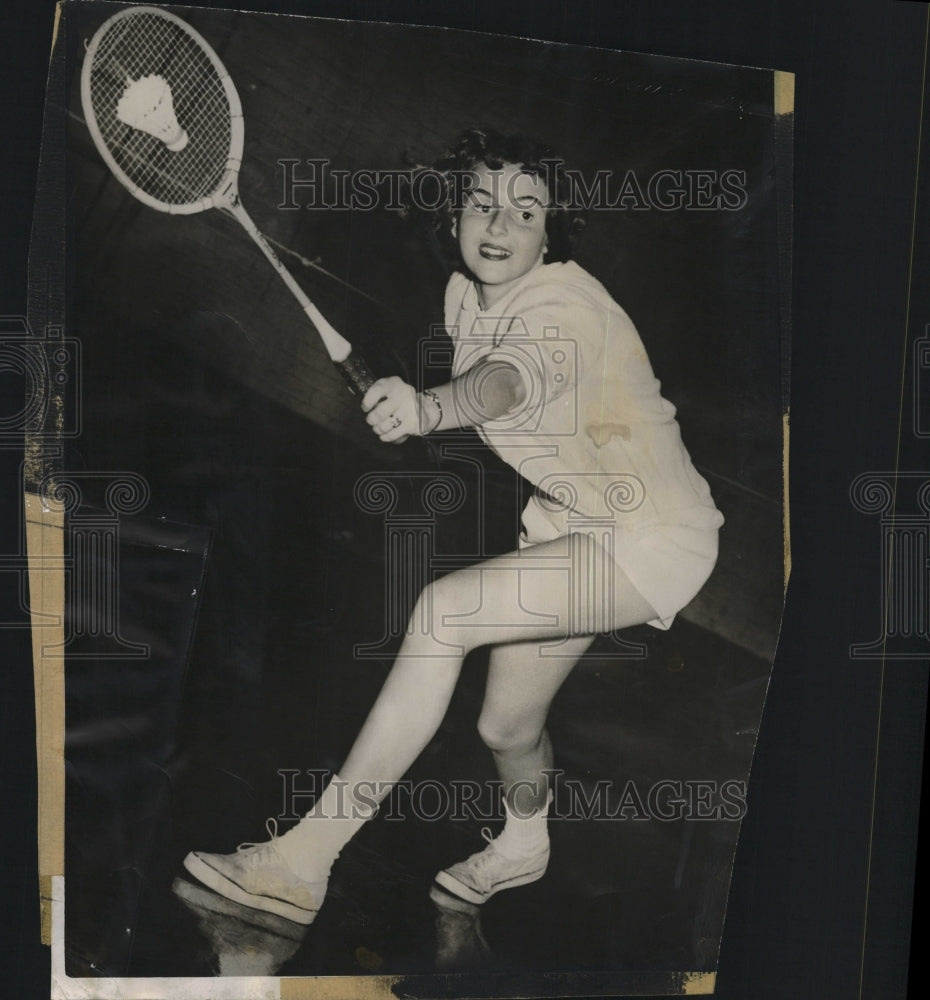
545 354
547 345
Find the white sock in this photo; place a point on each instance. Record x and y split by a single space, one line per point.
311 847
524 836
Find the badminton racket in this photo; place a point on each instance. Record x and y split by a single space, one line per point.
165 116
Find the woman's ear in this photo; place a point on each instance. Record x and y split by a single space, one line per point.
455 227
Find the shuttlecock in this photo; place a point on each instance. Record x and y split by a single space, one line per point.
146 105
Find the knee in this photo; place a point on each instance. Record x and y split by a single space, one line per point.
504 733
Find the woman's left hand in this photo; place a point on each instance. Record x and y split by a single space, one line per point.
393 410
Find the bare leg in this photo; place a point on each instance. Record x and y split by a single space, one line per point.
521 686
567 587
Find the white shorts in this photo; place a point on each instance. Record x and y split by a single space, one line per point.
667 564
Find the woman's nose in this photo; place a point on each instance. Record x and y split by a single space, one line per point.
497 222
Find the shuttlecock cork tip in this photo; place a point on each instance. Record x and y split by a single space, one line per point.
146 105
179 142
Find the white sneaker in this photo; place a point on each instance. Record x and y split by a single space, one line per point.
257 876
477 878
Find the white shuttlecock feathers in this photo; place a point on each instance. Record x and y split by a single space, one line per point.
146 105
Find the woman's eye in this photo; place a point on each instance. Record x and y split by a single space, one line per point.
526 216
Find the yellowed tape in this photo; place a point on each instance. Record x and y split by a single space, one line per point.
45 550
339 988
784 92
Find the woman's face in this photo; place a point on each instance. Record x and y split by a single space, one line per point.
501 229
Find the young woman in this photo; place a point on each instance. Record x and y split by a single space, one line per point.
622 530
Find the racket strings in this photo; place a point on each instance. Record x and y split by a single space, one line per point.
145 44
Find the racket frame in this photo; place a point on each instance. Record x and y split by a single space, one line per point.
236 122
226 194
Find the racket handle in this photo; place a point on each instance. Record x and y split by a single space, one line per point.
354 369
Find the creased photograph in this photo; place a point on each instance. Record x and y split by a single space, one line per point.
411 489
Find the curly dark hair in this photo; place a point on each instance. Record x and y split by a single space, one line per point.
564 221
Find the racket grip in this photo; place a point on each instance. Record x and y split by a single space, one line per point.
356 372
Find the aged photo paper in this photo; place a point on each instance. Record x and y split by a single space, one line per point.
483 423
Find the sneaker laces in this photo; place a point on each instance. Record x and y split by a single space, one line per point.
494 850
486 856
265 851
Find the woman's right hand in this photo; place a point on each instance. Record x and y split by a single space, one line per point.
392 409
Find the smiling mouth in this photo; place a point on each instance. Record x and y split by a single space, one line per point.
491 252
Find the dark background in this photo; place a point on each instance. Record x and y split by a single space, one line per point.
798 915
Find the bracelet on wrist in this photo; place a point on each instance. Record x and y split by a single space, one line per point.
432 395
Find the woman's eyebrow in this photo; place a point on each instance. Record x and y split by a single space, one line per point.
518 199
